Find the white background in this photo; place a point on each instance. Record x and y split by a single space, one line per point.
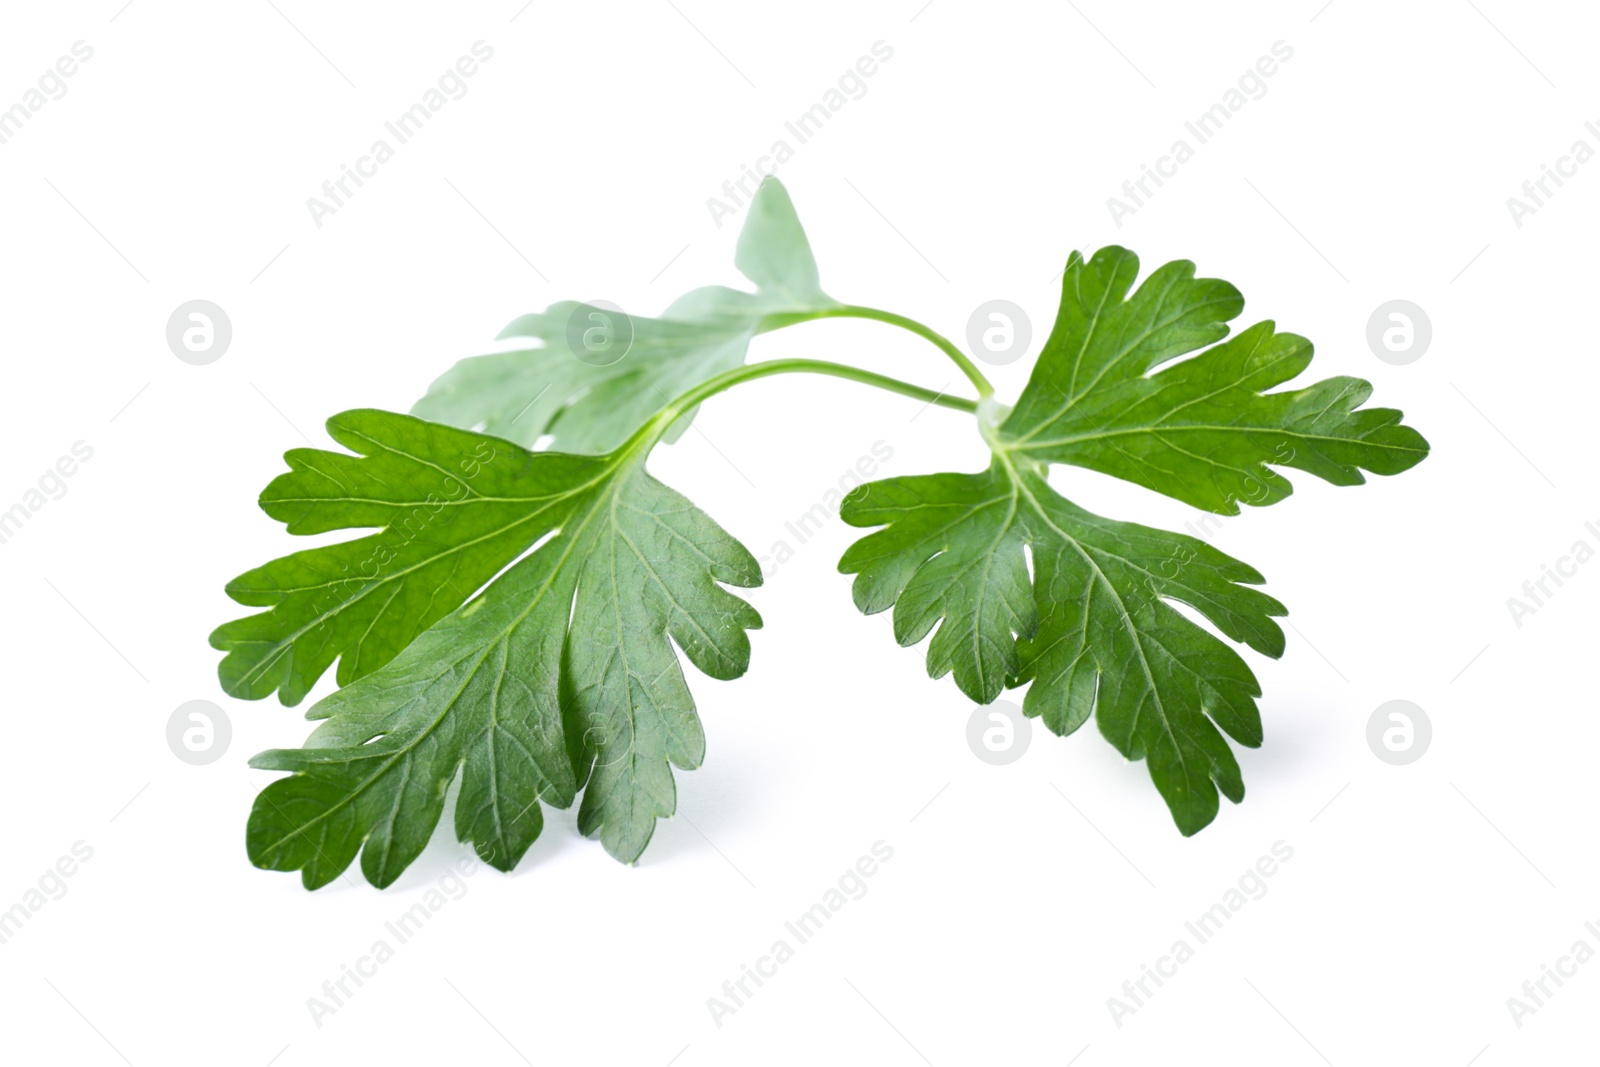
1019 898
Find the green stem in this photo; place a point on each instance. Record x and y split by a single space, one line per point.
855 311
652 430
970 369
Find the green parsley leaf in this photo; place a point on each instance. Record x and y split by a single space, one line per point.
561 674
584 407
1093 617
452 509
1024 586
1200 430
